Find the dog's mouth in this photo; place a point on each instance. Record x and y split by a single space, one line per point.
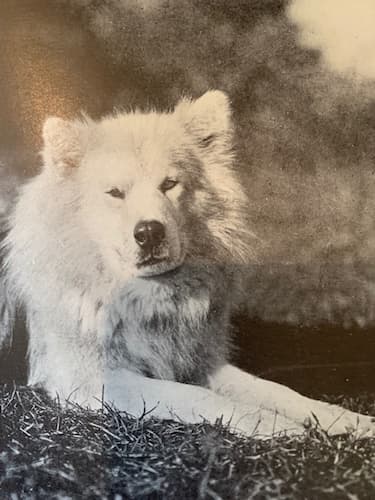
151 260
156 265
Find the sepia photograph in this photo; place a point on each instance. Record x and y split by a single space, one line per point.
187 249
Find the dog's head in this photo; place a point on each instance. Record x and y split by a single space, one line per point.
154 189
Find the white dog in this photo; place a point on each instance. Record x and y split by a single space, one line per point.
127 253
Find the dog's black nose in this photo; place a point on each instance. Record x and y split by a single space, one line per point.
149 234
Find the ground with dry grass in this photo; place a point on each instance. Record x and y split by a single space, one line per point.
47 452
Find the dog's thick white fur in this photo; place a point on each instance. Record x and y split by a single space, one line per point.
127 253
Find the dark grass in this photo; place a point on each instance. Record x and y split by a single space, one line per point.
47 452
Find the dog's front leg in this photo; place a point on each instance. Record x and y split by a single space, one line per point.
139 395
235 384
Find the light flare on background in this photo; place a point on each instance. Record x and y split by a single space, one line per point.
343 30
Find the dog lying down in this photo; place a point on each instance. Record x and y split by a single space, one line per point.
127 253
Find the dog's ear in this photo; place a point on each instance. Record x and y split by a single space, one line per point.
64 143
207 118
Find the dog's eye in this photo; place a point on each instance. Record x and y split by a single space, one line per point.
116 193
168 184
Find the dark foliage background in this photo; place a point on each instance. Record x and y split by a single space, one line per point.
291 111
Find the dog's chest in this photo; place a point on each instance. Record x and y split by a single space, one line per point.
175 331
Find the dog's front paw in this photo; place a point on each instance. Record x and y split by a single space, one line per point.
336 420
